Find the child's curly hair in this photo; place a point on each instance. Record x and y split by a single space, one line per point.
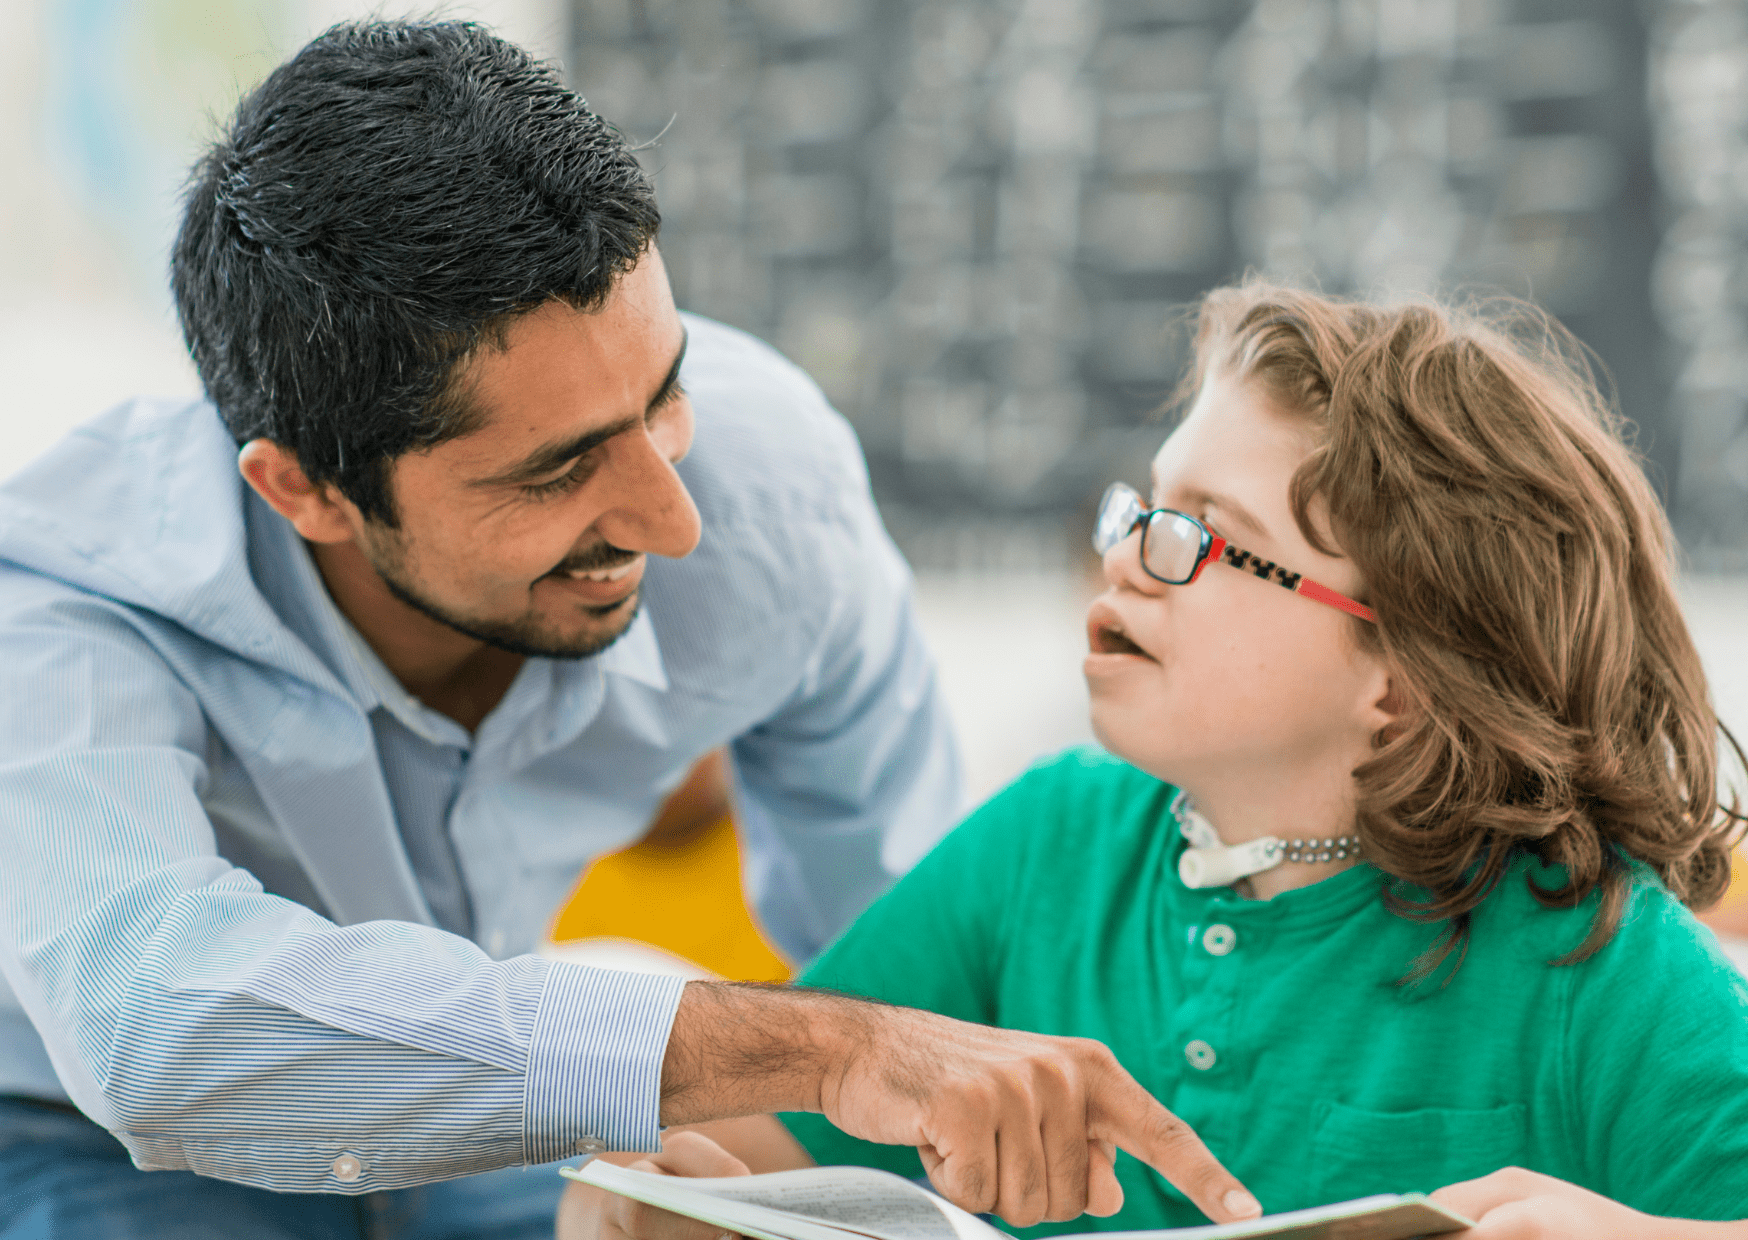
1521 570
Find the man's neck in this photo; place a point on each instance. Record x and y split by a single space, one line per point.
457 675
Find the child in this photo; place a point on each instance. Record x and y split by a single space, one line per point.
1465 755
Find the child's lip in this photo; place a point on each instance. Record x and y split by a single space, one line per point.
1108 636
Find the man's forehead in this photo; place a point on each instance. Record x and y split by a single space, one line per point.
558 381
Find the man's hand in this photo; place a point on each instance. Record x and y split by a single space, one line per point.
1515 1204
1019 1124
589 1213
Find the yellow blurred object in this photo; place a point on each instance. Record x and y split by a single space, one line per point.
683 896
1738 892
1730 914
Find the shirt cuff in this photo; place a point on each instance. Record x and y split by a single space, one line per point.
595 1062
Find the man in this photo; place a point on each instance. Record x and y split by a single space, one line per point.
297 762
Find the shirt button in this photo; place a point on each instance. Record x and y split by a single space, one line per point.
1200 1055
590 1145
347 1168
1219 940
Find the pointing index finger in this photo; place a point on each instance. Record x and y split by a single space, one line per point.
1132 1118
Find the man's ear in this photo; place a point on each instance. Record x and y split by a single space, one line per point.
319 513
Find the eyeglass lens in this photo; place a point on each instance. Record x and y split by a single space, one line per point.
1118 511
1173 541
1173 544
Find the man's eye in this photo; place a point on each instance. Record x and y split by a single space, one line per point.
570 480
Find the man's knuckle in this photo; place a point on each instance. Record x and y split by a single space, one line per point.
1069 1203
975 1098
975 1184
1026 1209
1022 1215
1095 1053
1169 1132
1052 1074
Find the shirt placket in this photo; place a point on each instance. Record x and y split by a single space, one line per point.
1219 953
540 711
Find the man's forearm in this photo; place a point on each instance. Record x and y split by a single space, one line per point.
1020 1123
747 1049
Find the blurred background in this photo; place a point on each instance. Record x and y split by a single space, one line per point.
975 223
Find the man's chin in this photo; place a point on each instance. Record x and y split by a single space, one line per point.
591 629
601 627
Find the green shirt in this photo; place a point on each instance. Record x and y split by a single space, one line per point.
1277 1028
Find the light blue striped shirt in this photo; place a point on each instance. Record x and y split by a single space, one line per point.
265 916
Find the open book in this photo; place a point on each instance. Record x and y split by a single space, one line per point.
858 1203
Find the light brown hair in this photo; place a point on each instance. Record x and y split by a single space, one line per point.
1522 572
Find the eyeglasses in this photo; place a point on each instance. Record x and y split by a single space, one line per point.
1175 546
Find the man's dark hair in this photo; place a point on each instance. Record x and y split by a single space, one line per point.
387 199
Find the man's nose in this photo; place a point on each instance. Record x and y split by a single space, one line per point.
650 509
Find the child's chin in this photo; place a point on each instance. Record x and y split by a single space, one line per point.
1120 732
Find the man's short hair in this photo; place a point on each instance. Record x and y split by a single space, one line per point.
387 200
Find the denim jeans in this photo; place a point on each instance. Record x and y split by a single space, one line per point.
64 1178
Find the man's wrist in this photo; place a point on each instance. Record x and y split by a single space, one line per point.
747 1049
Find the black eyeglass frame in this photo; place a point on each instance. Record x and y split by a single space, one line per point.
1212 547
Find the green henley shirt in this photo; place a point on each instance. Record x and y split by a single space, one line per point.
1278 1029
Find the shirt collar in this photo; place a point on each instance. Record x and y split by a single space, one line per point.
637 656
363 670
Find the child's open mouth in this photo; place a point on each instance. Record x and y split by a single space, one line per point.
1105 635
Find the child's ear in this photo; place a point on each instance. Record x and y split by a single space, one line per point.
1390 709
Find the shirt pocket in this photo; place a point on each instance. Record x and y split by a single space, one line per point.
1355 1152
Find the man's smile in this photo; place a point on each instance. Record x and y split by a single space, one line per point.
600 574
599 588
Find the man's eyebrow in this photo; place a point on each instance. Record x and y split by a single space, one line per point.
672 380
548 458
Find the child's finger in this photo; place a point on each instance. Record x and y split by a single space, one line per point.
1474 1198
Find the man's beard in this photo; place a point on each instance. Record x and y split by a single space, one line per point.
518 637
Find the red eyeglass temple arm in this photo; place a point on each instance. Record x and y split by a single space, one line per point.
1323 594
1216 545
1304 585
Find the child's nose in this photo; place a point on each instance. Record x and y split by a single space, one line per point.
1122 566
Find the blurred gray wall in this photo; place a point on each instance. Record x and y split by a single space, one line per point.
974 221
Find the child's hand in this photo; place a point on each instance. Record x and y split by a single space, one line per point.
1515 1204
590 1213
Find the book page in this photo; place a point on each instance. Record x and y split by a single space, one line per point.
860 1199
1385 1217
850 1203
867 1202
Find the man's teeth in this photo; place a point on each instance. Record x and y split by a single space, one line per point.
601 574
